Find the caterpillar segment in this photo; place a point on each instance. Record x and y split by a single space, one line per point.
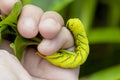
68 59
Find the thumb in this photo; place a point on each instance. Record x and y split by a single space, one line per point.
6 6
11 68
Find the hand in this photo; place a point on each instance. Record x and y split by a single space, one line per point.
50 25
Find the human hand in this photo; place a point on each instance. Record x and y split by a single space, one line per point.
50 24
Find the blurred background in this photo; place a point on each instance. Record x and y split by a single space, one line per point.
101 19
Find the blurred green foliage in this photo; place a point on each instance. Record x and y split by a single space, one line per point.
101 19
112 73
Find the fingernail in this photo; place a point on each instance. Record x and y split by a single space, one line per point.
49 28
27 27
45 47
49 20
28 22
49 23
45 43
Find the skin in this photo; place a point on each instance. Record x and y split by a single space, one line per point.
32 21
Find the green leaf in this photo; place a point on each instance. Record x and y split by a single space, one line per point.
20 44
104 35
2 17
0 37
12 18
46 5
112 73
1 30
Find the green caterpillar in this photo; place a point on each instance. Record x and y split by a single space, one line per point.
67 59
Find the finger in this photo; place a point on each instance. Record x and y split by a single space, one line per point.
50 24
30 60
11 67
7 5
28 21
63 40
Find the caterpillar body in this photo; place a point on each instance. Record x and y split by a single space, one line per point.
68 59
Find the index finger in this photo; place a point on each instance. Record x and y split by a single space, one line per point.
6 6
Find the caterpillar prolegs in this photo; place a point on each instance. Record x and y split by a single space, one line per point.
68 59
